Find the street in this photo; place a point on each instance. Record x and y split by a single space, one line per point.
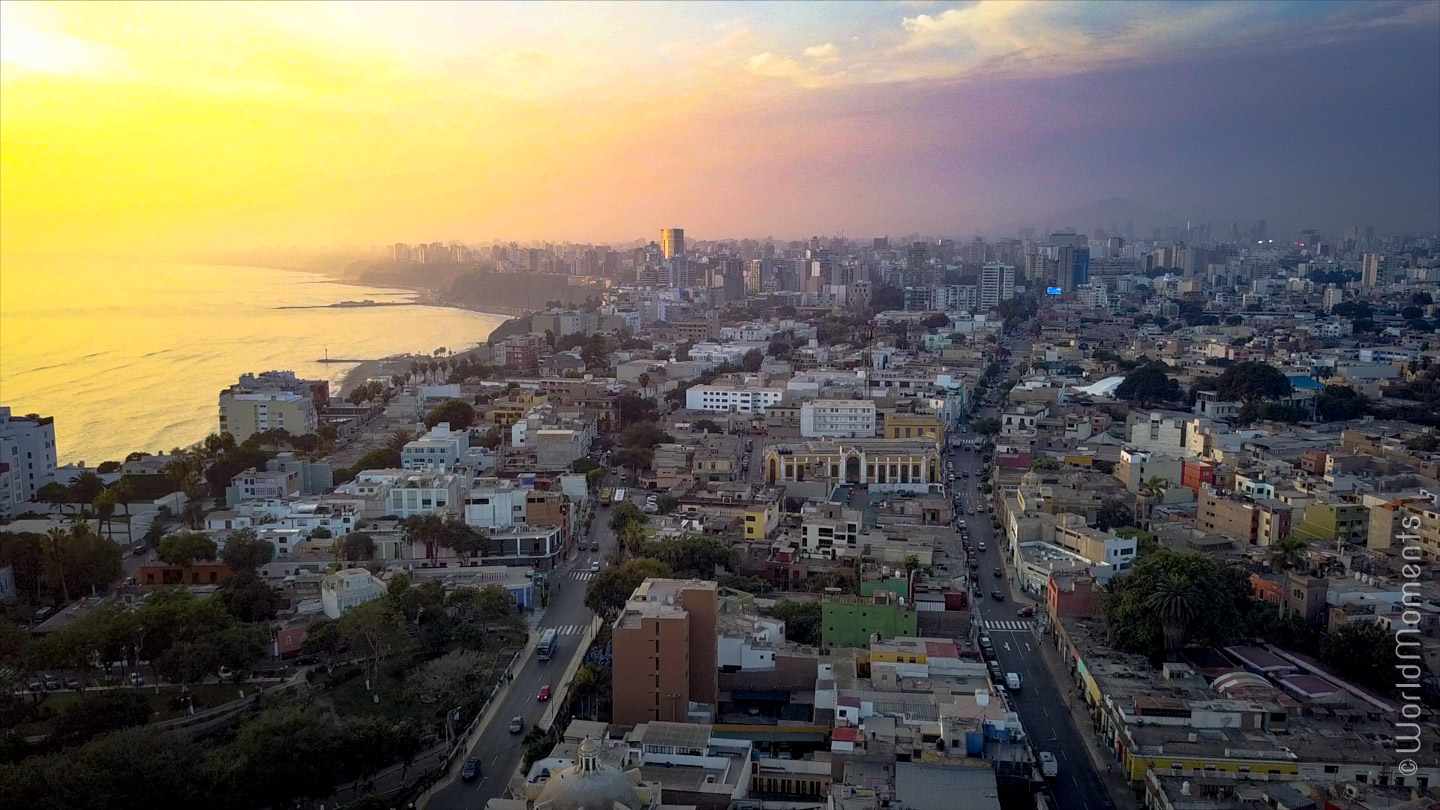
1042 704
499 751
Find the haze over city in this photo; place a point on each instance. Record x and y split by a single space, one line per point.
192 128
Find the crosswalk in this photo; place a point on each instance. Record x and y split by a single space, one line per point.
1013 625
582 575
567 629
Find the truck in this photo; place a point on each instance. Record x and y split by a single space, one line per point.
1048 767
546 648
1012 681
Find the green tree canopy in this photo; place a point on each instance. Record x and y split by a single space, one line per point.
1149 605
610 588
459 413
186 549
1252 381
802 620
246 552
356 547
1149 384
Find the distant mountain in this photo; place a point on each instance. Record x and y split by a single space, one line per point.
1116 212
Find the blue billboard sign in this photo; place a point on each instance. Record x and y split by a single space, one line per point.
1052 290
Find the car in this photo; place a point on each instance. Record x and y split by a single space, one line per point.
471 770
1026 612
138 551
997 572
1012 681
995 671
997 596
136 679
226 673
594 546
970 511
985 641
1048 767
974 566
517 725
72 684
981 545
962 524
594 566
35 686
52 683
544 693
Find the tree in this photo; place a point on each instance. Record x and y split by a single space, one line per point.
633 409
987 427
1253 381
1177 603
753 360
459 413
666 503
610 588
86 487
355 547
1112 515
1341 402
802 620
1150 384
54 494
186 549
479 604
97 713
104 504
1288 552
124 494
1367 652
624 514
246 552
779 349
444 679
1045 463
693 555
373 630
248 598
1133 612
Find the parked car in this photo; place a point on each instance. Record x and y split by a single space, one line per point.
517 725
994 667
52 683
544 693
1012 681
974 566
136 679
471 770
73 684
1025 612
595 546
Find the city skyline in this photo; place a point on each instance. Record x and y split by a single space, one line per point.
322 126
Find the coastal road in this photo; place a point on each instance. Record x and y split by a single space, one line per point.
1043 705
499 751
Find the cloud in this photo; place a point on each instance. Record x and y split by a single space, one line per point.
768 64
823 53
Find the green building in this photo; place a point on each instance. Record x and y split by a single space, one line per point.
852 621
1331 522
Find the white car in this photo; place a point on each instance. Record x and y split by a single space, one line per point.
594 566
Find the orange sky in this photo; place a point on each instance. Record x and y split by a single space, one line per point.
178 128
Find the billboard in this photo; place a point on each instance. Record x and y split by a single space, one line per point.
1052 290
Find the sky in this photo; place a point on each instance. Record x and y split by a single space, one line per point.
180 128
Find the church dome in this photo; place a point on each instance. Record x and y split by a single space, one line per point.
588 785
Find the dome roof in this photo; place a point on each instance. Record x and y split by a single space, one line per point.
588 785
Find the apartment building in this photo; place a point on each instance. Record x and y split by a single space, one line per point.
426 493
243 413
732 399
347 589
439 449
28 456
837 419
665 651
830 528
914 426
1259 522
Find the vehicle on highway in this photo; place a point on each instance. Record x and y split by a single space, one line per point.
982 545
471 770
1048 767
1012 681
997 596
544 693
517 724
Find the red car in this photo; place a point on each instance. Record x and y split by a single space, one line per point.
544 693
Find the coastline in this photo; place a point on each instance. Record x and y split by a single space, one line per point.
427 297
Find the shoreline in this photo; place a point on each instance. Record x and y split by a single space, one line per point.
426 297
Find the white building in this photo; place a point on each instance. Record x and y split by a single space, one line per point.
27 458
997 283
426 493
730 399
495 503
439 449
837 419
349 588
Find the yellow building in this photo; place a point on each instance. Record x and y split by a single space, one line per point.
915 426
759 520
913 463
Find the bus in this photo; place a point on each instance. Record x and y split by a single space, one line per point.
606 495
619 496
546 647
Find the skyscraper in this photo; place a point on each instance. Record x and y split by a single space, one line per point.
672 241
1375 270
997 283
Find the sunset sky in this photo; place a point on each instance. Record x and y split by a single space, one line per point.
174 128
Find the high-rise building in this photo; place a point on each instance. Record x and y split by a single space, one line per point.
755 277
27 458
997 283
1375 270
672 242
271 400
665 651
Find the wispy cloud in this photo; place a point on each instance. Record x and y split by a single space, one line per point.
823 53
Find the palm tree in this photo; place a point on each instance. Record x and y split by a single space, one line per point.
1288 552
55 542
1178 603
86 486
399 439
104 504
124 492
644 380
53 494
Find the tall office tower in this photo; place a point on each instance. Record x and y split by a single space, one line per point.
916 255
755 277
400 253
1375 270
882 243
679 272
672 241
997 283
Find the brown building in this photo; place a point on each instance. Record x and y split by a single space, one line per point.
1258 522
1073 593
203 573
665 651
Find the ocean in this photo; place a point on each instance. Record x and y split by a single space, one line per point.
132 356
